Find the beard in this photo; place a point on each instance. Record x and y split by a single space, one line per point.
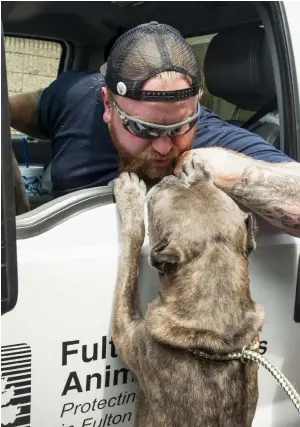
142 164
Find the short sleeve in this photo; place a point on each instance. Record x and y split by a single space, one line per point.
52 102
71 116
214 132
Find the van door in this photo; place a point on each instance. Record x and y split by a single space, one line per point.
58 359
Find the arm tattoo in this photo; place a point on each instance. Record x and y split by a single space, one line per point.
272 193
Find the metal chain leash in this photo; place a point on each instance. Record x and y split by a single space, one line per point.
251 353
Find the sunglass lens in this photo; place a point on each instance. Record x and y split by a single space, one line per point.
142 131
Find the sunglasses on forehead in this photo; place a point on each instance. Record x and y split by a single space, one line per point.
148 130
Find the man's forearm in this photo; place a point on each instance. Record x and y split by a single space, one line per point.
24 113
270 190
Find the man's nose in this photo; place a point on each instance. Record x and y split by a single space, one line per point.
162 145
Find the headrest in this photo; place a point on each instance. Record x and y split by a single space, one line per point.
238 68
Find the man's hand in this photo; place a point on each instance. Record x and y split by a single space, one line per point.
272 190
225 165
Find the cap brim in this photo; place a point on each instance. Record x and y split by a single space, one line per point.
103 69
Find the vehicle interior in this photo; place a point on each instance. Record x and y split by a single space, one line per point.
44 39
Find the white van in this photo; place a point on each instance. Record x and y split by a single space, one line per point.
59 261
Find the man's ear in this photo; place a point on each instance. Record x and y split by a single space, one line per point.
107 105
251 229
164 257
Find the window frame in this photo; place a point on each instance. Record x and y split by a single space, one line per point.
276 26
9 267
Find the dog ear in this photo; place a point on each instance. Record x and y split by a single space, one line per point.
251 229
164 258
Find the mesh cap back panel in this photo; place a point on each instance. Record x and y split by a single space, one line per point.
147 50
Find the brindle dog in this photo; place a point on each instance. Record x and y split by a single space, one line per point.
200 242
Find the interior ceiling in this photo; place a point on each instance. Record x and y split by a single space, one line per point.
95 23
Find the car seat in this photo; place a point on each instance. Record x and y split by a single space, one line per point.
238 69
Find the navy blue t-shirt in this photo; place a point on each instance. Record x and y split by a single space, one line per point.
83 155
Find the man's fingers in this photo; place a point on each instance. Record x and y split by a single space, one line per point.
178 167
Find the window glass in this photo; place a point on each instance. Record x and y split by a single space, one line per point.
31 64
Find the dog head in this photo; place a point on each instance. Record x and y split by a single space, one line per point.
187 223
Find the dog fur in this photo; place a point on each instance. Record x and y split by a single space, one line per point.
200 242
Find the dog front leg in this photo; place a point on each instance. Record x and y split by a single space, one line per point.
130 195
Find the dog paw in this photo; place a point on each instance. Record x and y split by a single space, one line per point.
194 170
130 194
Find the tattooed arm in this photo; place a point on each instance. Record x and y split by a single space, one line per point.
272 190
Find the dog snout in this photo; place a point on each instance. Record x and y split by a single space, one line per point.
167 181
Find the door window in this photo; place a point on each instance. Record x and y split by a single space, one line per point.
31 64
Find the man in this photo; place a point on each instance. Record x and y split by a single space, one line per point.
143 114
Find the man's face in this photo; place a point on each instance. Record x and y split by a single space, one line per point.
150 159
